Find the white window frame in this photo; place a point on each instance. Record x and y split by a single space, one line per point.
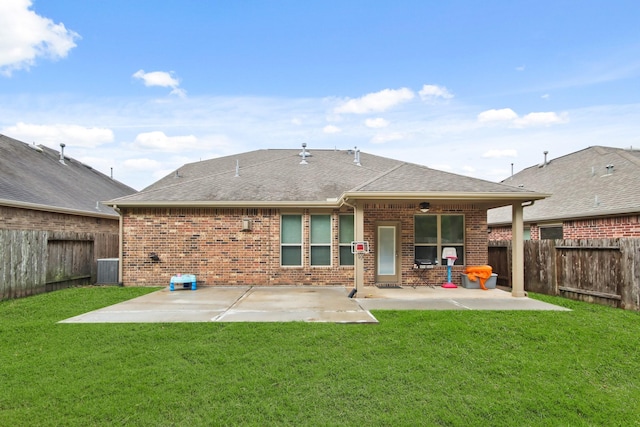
346 244
439 245
300 245
323 244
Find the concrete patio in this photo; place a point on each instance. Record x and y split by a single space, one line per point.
298 303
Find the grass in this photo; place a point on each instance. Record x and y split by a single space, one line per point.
441 368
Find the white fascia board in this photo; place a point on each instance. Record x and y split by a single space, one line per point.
444 196
223 204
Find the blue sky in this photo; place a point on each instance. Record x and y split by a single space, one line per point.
468 87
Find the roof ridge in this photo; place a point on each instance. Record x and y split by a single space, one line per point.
375 178
623 152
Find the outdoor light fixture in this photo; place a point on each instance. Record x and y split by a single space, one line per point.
246 224
154 256
424 206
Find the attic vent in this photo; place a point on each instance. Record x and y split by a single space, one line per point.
609 169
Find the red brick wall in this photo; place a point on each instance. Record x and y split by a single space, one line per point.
594 228
626 226
476 241
12 218
210 243
500 233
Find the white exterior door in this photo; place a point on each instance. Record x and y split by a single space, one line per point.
388 253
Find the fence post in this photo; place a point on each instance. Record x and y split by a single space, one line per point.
630 273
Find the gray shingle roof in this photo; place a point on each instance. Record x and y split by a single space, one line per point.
580 186
276 176
34 175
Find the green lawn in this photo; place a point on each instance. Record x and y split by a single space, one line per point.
449 368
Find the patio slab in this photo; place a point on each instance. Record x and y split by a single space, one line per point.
438 298
298 304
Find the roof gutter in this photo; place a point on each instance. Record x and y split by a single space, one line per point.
331 203
570 217
508 198
55 209
470 196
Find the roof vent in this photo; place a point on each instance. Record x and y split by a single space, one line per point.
237 168
356 160
62 145
545 162
304 154
609 169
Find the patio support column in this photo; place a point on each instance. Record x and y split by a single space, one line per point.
517 251
358 225
120 242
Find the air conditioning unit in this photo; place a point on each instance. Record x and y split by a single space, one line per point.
108 271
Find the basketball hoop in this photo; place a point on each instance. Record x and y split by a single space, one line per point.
360 248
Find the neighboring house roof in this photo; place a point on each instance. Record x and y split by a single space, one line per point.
277 178
597 181
33 177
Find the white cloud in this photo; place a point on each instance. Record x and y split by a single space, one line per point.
531 119
331 129
376 123
433 92
387 137
541 119
376 102
158 141
498 154
505 114
26 36
142 164
545 96
162 79
520 68
53 135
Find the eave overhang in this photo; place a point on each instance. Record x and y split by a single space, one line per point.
55 209
223 204
489 200
569 217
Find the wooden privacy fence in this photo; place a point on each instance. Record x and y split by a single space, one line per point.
604 271
33 262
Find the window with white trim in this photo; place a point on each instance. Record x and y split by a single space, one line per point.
432 233
346 235
320 240
291 240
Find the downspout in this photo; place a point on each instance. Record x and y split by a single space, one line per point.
120 244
